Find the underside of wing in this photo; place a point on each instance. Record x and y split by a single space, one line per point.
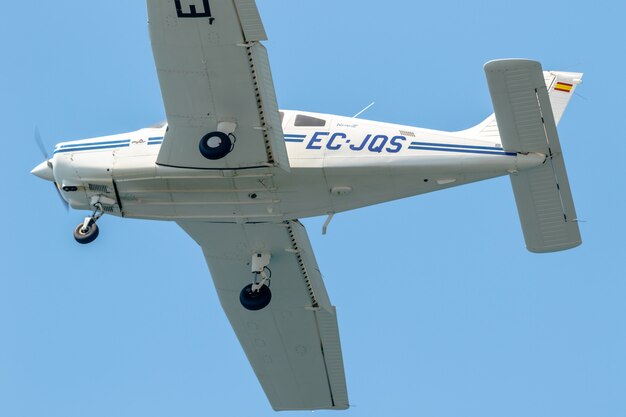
215 78
292 344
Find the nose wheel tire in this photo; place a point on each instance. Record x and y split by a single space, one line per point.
86 235
255 300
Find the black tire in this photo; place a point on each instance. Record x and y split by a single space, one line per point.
86 236
255 301
215 145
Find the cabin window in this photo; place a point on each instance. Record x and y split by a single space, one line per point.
302 120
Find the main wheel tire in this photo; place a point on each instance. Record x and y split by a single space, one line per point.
255 301
86 236
215 145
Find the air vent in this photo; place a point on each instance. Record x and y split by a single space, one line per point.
407 133
99 188
108 209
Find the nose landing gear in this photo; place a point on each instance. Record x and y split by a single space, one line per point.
87 231
257 296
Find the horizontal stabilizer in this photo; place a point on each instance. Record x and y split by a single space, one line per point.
527 125
546 208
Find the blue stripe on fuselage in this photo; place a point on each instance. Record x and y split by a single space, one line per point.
82 145
430 148
446 145
92 148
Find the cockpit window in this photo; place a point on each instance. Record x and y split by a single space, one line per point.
302 120
282 116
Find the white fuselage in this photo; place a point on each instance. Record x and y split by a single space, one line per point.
345 164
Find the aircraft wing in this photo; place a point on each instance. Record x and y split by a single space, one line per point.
293 344
213 71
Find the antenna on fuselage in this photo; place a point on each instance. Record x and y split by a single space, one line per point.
364 110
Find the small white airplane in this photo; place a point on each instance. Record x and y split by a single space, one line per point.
236 174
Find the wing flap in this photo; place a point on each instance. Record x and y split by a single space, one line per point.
293 344
274 136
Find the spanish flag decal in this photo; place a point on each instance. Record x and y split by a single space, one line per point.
565 87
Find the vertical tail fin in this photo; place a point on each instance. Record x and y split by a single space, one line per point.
561 87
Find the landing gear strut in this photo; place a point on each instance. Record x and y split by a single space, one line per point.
257 296
87 231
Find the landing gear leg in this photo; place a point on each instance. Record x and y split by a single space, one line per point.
257 296
87 231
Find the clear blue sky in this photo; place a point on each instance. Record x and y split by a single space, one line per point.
442 311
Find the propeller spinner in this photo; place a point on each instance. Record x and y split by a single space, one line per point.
45 170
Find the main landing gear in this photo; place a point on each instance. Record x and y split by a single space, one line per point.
87 231
216 145
257 296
